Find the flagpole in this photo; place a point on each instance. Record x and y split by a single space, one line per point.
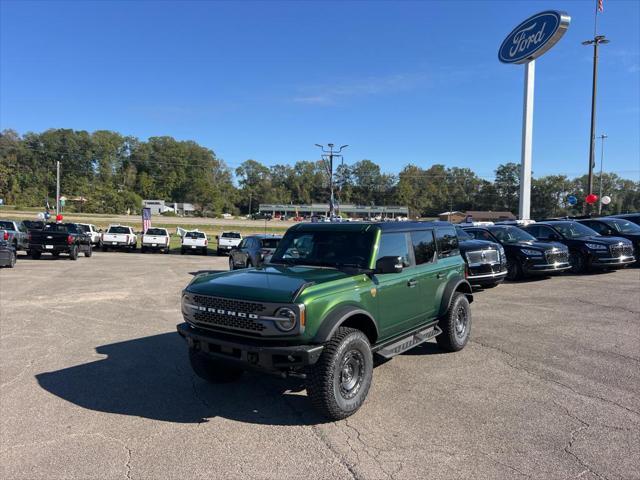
595 19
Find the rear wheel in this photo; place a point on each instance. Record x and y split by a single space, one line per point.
211 370
73 253
143 250
338 384
89 252
455 324
205 251
12 260
182 251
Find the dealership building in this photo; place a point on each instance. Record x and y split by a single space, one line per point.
322 209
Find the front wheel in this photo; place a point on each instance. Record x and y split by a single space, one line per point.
211 370
338 384
231 264
514 270
577 262
456 324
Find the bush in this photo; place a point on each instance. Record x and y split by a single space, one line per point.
169 214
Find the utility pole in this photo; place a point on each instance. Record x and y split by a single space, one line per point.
57 188
327 157
601 137
596 42
250 204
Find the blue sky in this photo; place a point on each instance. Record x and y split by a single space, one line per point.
401 82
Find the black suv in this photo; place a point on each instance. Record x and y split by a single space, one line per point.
616 227
525 255
587 248
486 262
253 251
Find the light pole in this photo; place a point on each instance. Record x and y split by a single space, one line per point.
327 157
597 40
601 137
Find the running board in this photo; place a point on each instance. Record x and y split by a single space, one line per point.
408 342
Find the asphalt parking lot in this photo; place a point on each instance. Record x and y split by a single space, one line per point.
95 384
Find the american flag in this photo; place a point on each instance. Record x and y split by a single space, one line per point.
601 5
146 219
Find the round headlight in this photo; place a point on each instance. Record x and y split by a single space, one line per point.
288 319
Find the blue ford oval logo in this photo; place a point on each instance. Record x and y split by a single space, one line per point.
533 37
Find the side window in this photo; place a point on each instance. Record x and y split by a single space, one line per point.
597 226
243 243
394 245
447 242
545 233
424 246
533 230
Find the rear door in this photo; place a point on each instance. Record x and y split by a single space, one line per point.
428 271
397 293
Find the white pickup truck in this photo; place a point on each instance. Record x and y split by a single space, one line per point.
194 241
91 231
228 241
119 236
155 239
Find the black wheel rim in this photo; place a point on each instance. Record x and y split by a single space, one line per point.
461 322
351 374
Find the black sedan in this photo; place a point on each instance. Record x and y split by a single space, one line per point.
526 256
587 249
253 251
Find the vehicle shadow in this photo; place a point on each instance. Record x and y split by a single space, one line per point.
151 377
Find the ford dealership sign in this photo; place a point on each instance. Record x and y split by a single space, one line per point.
533 37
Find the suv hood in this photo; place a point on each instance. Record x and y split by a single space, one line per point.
604 240
537 245
472 245
271 283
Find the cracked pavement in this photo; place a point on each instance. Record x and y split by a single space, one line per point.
95 383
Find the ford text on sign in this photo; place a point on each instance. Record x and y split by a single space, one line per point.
533 37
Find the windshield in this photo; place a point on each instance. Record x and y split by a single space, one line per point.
511 235
82 228
575 230
331 248
269 242
119 230
194 235
6 226
34 224
462 235
59 227
622 226
230 235
156 231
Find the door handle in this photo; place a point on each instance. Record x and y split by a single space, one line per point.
412 283
440 275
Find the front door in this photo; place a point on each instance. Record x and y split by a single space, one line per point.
397 293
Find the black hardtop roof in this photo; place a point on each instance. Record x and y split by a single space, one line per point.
365 226
261 236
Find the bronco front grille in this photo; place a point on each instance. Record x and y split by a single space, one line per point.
557 256
483 257
621 250
227 313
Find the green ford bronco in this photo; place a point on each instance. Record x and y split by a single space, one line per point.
330 297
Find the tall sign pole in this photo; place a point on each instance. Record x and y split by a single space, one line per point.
57 188
327 157
524 209
523 45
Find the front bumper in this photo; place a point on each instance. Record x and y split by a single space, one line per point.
278 360
612 262
486 274
546 268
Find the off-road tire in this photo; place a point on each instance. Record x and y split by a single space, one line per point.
454 338
578 263
205 252
211 370
324 378
73 253
35 255
12 260
89 252
514 271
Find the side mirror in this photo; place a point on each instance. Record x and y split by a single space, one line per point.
389 265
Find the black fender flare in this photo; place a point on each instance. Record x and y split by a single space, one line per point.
339 316
453 285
